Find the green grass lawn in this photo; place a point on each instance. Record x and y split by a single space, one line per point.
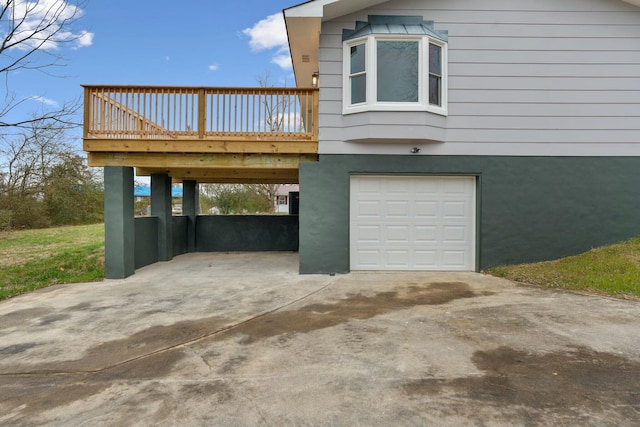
34 259
610 270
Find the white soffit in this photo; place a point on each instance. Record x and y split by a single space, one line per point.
330 9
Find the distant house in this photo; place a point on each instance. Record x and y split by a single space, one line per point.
284 195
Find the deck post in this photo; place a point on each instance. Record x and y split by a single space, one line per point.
202 113
190 210
119 224
161 208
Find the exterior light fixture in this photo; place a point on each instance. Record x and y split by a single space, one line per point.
414 150
315 77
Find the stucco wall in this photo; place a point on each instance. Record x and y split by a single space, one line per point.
146 241
529 208
179 235
247 233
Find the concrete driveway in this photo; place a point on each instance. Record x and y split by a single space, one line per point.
243 340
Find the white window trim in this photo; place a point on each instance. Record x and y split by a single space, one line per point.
371 76
282 200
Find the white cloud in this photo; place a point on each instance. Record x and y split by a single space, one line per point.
47 20
213 67
271 33
283 61
45 101
84 39
268 33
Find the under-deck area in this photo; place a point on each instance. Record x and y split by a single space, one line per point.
193 135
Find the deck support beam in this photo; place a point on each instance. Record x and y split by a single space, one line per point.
119 222
190 210
161 208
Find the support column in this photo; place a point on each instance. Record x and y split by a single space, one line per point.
119 224
190 210
161 208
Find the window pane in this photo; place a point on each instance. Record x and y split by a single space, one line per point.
434 90
359 89
435 59
398 71
358 57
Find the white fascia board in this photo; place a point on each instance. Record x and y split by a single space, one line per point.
310 9
634 2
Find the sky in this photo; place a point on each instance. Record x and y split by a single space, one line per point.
162 42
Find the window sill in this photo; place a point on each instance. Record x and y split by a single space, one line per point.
394 108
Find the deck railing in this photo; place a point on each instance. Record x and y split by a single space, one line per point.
158 112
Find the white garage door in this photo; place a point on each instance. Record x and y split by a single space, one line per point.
413 223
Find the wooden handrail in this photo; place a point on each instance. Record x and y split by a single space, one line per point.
188 112
132 114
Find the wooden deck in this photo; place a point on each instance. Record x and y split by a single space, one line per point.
207 134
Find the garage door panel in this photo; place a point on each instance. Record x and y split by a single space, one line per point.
428 188
455 187
396 188
455 209
426 259
454 234
370 186
454 259
368 208
426 209
369 233
412 223
398 209
397 233
369 259
398 259
426 234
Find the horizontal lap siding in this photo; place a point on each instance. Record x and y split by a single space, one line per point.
529 72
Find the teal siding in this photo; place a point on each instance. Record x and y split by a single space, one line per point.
529 209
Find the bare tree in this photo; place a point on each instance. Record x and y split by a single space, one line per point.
32 32
27 159
235 198
266 191
26 162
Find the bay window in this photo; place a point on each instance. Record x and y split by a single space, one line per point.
395 72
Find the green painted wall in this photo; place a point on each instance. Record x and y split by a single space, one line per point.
180 235
246 233
146 232
146 243
530 208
